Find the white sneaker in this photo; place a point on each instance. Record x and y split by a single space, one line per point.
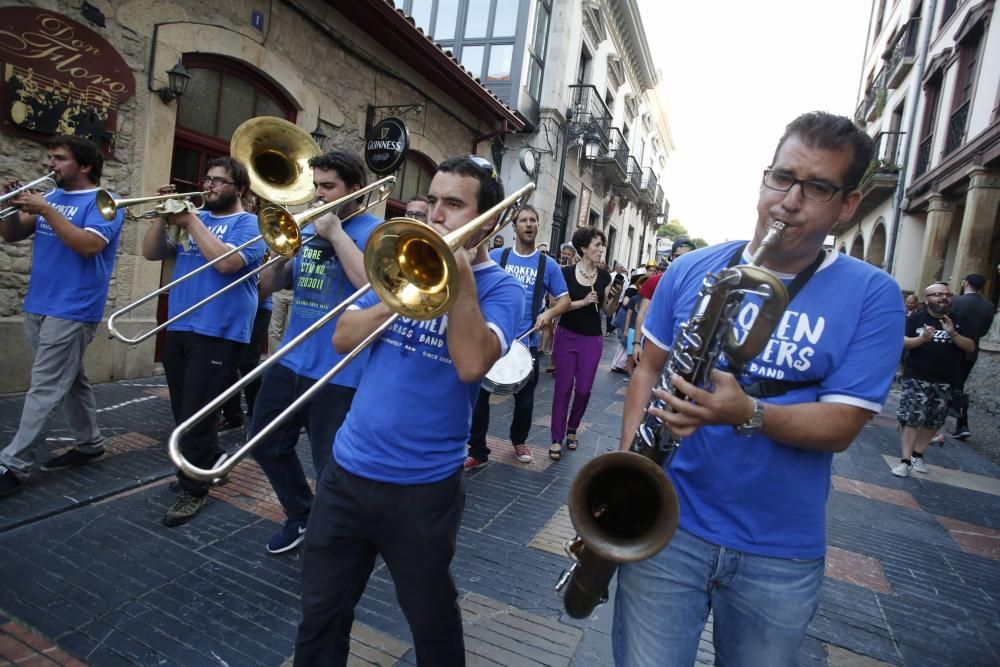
919 465
901 469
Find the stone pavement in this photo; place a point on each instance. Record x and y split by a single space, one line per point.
90 576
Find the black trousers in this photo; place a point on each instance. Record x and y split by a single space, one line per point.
247 359
413 528
198 368
524 408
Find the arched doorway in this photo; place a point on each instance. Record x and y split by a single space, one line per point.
876 245
858 247
221 94
413 178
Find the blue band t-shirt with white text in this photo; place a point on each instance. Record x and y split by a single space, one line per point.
525 269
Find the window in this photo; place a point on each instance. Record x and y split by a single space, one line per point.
413 179
500 57
969 54
583 70
947 9
879 16
420 10
536 50
932 96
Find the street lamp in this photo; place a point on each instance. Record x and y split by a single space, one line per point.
591 149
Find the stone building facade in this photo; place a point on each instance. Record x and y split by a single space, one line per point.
334 67
931 204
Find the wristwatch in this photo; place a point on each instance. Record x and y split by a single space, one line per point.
752 425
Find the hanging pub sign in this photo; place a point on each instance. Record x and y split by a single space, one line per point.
59 77
386 146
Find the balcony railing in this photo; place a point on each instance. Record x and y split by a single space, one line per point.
634 174
590 115
923 155
904 53
956 128
874 101
647 186
887 148
615 159
658 199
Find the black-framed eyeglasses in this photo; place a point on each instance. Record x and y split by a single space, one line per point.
416 215
781 181
216 181
485 166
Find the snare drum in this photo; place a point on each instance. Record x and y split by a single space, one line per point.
511 371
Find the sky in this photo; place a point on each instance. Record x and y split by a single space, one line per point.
734 73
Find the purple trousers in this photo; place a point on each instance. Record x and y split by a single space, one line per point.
576 358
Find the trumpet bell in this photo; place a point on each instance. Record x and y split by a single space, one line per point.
411 268
106 205
280 231
276 154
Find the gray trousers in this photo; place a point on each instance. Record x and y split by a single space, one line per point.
57 378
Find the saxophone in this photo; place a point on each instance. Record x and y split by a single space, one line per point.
622 504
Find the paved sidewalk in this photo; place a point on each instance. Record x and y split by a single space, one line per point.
90 576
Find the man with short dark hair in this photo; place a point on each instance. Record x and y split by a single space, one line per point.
416 208
72 261
935 350
977 313
395 486
754 467
539 275
200 350
327 271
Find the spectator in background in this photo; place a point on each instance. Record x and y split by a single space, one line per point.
497 242
416 208
567 254
978 313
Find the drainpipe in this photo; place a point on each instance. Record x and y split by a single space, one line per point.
926 19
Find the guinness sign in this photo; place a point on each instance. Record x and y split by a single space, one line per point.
386 146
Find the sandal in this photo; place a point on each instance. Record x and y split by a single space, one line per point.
555 451
570 440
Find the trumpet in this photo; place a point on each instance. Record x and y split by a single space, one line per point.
375 194
34 185
108 205
412 269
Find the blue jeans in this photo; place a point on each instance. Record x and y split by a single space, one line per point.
761 606
321 417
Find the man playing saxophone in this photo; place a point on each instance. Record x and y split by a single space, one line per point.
752 473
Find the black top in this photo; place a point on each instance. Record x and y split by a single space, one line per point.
937 360
585 321
976 312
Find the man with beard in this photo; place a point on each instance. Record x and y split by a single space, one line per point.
328 270
935 350
72 261
538 274
200 350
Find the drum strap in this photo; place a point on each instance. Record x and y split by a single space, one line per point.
536 297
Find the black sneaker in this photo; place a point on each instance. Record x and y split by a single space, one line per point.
228 425
71 458
9 483
962 434
175 485
183 509
286 539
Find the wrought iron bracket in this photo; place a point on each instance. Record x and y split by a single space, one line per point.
374 114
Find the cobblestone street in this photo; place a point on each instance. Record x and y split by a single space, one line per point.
90 576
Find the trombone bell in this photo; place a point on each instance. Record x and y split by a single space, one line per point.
276 154
411 268
280 231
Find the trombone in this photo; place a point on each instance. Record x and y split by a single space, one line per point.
34 185
108 205
412 269
280 230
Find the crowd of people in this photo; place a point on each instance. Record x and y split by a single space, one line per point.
752 478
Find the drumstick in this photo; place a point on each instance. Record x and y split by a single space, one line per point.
526 334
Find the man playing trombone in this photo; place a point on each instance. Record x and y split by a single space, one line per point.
395 485
329 269
72 261
200 350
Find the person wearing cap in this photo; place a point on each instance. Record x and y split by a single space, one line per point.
978 314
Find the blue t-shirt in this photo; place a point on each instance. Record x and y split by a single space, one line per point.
843 330
64 283
525 268
409 423
231 315
318 284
